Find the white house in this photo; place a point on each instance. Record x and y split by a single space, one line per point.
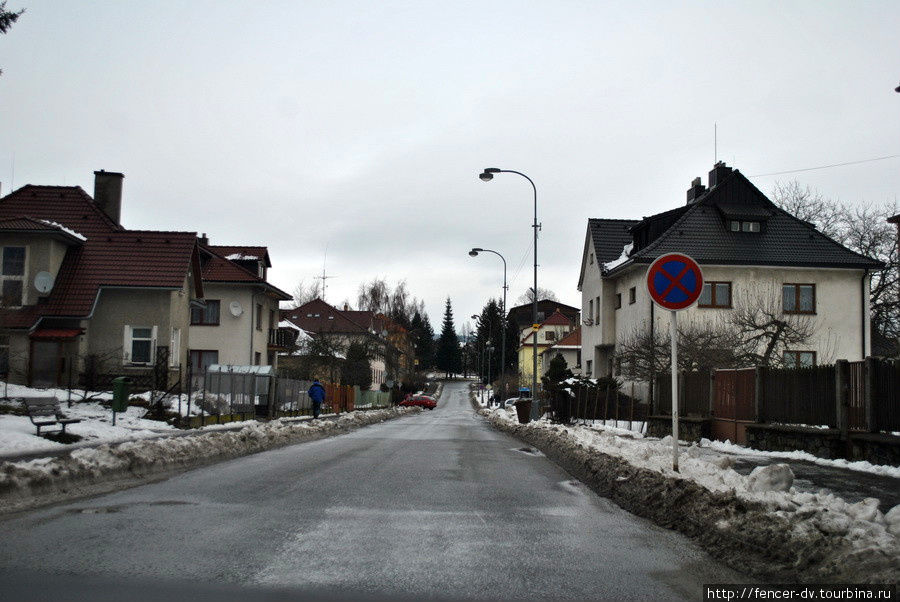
752 253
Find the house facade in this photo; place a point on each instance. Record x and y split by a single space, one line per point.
755 257
237 322
570 349
552 330
82 294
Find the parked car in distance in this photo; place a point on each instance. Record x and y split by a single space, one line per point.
511 402
423 401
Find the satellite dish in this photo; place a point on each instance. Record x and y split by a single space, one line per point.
43 282
235 308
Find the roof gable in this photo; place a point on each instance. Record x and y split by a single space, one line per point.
605 238
317 316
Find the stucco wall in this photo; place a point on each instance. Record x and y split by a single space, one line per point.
837 323
117 307
236 338
43 254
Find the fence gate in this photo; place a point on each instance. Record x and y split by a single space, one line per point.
733 405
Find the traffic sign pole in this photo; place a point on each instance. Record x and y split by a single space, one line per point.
674 282
674 337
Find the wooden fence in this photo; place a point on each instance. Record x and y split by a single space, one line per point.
797 395
694 393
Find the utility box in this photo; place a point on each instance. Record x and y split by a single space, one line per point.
121 390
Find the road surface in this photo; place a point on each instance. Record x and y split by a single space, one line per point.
436 504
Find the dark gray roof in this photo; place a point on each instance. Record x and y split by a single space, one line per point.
610 236
703 233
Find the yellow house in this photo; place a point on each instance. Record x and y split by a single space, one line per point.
551 330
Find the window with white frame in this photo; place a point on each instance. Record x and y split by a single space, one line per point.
139 345
799 359
12 274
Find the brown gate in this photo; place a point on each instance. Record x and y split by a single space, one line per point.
733 405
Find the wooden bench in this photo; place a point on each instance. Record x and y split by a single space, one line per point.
44 411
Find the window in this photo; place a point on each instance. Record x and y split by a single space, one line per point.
540 316
597 309
259 314
715 294
139 345
799 359
590 364
578 357
591 308
13 276
798 298
618 300
742 226
632 295
257 358
201 359
549 336
206 316
272 322
592 259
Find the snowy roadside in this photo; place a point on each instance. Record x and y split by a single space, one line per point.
89 471
758 522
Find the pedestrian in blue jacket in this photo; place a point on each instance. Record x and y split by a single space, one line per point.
317 396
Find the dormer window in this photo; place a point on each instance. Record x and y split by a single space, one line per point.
12 274
743 226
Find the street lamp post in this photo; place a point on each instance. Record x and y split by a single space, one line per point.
474 253
486 176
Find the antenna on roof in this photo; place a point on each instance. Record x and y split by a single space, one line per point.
324 277
715 142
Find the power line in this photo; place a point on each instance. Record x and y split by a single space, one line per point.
780 173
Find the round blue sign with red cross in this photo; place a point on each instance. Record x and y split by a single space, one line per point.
674 281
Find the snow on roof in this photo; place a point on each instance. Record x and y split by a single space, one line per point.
240 256
626 250
302 334
63 228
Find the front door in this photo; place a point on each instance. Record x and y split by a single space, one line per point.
44 364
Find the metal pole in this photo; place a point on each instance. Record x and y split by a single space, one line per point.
673 334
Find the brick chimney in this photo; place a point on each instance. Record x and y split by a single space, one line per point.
204 240
719 172
696 191
108 193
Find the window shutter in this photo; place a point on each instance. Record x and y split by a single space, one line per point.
126 345
153 346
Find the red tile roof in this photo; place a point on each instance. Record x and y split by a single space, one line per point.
557 319
573 339
318 317
218 269
111 256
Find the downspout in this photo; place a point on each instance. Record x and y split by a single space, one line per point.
252 311
863 305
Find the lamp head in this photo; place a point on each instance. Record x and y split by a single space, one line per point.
474 252
486 176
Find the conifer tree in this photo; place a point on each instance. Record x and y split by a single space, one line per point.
448 357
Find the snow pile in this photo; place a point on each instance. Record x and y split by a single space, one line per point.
93 470
808 535
626 250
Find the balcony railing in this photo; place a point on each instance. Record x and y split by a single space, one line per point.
282 338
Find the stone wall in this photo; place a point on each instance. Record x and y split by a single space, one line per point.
689 428
825 443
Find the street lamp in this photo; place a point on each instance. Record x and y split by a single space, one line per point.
486 176
474 253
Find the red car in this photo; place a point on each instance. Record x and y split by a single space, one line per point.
420 400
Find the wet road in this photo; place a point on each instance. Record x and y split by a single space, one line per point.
436 504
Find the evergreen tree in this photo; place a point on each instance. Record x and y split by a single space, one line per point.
7 18
423 339
448 357
356 369
489 335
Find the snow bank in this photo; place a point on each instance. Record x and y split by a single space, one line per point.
89 471
758 522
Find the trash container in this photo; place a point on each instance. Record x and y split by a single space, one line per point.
523 411
120 394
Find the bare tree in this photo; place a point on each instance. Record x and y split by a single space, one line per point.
828 216
304 293
543 295
764 330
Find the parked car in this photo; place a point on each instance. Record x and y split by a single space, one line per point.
511 402
423 401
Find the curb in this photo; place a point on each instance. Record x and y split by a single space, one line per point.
93 471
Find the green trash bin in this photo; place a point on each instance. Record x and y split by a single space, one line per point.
120 394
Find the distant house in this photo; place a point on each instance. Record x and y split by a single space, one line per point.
569 347
338 329
552 330
751 252
237 322
81 292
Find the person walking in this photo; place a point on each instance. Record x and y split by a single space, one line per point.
317 396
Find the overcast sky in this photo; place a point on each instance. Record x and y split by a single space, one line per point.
362 126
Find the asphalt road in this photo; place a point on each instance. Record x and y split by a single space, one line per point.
432 505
